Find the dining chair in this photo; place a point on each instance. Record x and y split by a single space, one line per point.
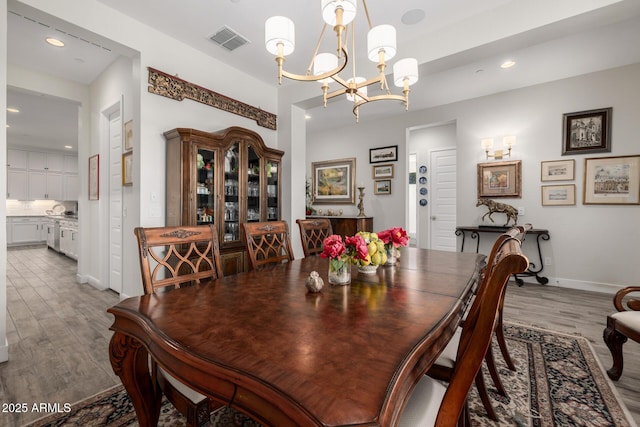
442 369
433 403
267 243
621 326
172 257
313 232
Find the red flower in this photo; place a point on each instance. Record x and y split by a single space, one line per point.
395 236
357 247
333 247
385 236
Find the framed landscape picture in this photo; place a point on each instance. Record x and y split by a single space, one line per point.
500 179
127 168
587 132
94 177
558 170
612 181
382 186
382 171
334 181
558 195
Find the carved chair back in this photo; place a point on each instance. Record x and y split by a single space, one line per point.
477 329
313 232
171 257
267 243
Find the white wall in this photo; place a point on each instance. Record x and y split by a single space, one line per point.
4 345
591 247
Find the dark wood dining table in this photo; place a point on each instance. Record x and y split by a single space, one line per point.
262 344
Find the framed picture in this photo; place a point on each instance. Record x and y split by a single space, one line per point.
383 154
500 179
127 168
558 170
94 177
382 186
612 181
128 136
334 181
558 195
587 132
382 171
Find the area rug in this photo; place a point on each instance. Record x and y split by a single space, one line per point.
559 382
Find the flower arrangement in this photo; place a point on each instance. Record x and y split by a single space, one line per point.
394 238
375 252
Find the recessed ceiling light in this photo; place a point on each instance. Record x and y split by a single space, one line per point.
307 117
68 146
413 16
8 126
508 64
54 42
12 110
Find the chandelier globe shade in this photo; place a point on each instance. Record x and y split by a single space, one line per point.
279 31
381 39
405 72
331 14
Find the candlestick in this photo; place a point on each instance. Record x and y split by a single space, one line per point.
361 213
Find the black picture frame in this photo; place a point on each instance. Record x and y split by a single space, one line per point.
586 132
383 154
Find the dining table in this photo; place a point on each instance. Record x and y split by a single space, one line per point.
263 344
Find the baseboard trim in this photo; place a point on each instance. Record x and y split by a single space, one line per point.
604 288
93 282
4 351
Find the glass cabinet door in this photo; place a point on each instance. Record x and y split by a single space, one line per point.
231 192
253 185
273 197
205 186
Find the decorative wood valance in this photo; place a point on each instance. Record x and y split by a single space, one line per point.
175 88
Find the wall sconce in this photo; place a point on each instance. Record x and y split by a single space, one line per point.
508 142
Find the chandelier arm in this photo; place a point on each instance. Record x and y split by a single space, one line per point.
315 52
312 78
366 12
389 97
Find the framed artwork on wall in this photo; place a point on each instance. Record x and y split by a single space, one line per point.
128 136
383 154
587 132
382 186
500 179
382 171
558 195
94 177
127 168
612 181
557 170
334 181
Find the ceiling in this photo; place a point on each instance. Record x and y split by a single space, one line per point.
459 44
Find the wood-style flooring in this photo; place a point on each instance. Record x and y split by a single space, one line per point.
58 332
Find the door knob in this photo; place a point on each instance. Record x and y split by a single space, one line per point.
433 218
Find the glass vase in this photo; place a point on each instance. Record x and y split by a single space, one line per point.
392 256
339 272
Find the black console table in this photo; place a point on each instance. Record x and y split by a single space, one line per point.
533 270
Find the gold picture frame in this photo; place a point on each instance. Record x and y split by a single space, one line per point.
500 179
557 170
558 195
382 171
382 186
127 168
334 181
612 181
128 136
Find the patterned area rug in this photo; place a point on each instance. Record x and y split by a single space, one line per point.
559 382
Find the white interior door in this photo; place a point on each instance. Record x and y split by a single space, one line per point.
115 201
442 224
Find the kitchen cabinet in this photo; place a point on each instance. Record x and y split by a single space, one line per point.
71 187
25 230
17 184
49 162
70 164
17 159
225 178
45 185
69 238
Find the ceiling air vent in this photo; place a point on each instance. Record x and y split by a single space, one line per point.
228 39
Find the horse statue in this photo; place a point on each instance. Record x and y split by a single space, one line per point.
493 206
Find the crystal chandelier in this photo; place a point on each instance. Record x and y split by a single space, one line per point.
325 67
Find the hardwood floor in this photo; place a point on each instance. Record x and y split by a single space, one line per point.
58 332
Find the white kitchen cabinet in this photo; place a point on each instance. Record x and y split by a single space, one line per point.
70 164
69 238
16 159
45 186
17 184
25 230
49 162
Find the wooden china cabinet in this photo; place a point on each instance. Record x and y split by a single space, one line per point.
225 178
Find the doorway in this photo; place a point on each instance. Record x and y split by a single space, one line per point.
114 162
442 220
